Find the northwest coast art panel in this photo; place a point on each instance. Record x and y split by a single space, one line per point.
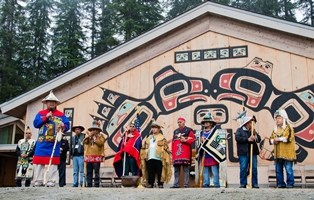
250 86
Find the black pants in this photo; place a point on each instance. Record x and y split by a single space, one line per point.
154 168
92 168
62 175
18 182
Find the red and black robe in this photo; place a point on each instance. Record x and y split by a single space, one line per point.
132 147
182 151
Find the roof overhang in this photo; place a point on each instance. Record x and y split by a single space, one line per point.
17 106
5 119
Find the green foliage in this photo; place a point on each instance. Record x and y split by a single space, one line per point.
106 39
133 17
47 38
68 38
12 23
35 39
307 6
178 7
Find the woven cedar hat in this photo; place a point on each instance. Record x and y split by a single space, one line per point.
51 97
208 118
95 126
155 124
243 118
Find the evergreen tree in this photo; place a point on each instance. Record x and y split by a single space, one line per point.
34 42
307 7
105 38
178 7
267 7
133 17
288 10
68 38
282 8
225 2
92 8
12 22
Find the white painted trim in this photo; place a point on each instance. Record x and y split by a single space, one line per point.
7 120
261 20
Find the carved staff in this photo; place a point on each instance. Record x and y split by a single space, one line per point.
84 167
251 157
202 170
124 153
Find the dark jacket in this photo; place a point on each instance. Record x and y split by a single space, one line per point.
77 140
243 145
64 145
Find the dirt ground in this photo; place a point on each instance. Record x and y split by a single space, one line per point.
154 193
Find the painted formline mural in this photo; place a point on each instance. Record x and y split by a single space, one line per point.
250 86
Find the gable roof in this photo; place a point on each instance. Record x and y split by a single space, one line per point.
17 106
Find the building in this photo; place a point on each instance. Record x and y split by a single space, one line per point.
212 57
11 131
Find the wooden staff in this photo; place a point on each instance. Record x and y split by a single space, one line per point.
202 170
84 167
124 153
251 158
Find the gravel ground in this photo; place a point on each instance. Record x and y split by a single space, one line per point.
154 193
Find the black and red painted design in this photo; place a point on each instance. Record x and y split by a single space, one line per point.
173 91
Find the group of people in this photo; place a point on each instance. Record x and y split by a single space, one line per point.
51 149
150 159
282 137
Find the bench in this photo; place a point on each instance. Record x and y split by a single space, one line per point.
271 173
107 177
309 175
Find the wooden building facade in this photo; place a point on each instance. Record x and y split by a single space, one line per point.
212 58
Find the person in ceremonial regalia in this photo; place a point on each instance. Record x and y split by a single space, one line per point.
155 158
64 148
94 153
77 153
207 160
51 123
282 138
183 138
129 149
244 139
25 151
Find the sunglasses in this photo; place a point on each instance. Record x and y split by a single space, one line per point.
28 133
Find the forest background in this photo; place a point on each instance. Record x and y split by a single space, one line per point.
43 39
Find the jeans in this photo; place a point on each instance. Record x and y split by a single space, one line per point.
244 168
186 171
78 168
288 165
215 171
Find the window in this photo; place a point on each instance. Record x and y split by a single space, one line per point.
19 134
6 134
